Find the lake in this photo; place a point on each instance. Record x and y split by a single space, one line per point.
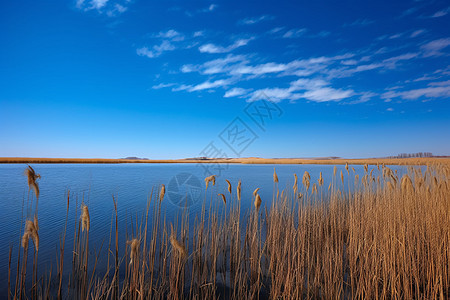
132 185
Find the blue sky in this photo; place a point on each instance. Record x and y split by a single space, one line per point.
164 79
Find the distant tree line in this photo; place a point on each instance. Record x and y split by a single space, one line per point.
418 154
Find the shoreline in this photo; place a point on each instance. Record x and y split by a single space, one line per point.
279 161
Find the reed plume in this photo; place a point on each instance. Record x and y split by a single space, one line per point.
295 187
134 249
36 223
306 180
275 176
366 168
255 192
229 185
257 201
320 179
32 177
223 198
407 185
238 190
209 179
314 188
334 170
85 219
342 177
179 247
162 192
346 168
30 232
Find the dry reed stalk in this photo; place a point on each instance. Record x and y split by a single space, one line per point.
223 198
229 185
238 190
162 192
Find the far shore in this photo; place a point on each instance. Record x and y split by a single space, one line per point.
247 160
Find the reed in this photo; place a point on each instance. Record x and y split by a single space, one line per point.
387 238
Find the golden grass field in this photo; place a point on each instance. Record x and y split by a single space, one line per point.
389 238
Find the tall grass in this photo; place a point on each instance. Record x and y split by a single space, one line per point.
389 237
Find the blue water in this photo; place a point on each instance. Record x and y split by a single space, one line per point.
132 185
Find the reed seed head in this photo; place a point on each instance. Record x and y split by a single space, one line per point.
32 177
30 232
209 179
275 176
229 185
320 179
257 201
255 192
85 219
162 192
134 249
179 247
238 190
223 198
306 180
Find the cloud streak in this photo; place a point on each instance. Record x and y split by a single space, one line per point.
212 48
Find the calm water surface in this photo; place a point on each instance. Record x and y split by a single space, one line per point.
132 185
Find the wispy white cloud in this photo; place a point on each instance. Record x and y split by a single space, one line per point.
359 22
156 50
212 48
236 92
441 13
433 90
110 7
170 34
162 86
206 85
434 48
251 21
417 33
409 11
316 90
295 33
